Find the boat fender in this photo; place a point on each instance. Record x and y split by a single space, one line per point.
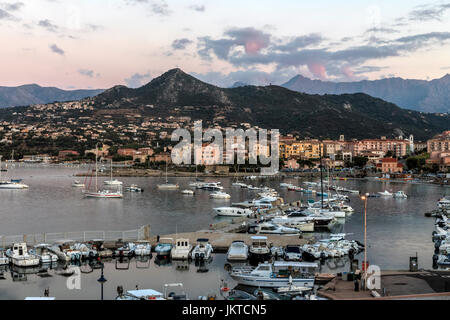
435 258
437 244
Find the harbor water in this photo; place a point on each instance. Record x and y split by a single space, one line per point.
396 228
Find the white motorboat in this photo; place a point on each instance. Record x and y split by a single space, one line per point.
272 228
277 274
181 250
20 257
174 291
4 260
134 188
259 249
385 193
12 185
142 248
444 203
188 192
285 185
304 225
42 251
220 195
212 186
113 182
164 247
265 202
143 294
65 251
203 250
292 253
238 251
233 212
327 212
400 194
78 184
239 184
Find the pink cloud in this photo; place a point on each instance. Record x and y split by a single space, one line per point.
347 72
254 46
318 70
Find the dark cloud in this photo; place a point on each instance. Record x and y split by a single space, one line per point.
16 6
56 49
429 12
180 44
137 80
4 15
321 62
48 25
197 8
86 72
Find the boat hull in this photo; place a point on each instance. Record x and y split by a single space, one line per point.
271 282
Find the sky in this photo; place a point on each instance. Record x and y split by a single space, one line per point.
102 43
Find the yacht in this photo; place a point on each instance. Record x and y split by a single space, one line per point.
272 228
78 184
20 257
301 223
277 274
188 192
233 212
42 251
181 249
385 193
112 182
12 185
164 247
400 194
259 249
238 251
220 195
105 194
202 250
265 202
239 184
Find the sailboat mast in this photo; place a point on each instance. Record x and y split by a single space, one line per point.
96 169
321 176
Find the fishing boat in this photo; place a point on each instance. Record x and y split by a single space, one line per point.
181 249
167 185
78 184
233 212
220 195
106 193
188 192
400 195
277 274
111 181
385 193
238 251
164 247
42 251
259 249
20 257
203 250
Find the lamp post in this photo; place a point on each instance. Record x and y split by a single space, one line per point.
364 198
102 280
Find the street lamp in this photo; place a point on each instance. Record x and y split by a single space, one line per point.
364 198
102 279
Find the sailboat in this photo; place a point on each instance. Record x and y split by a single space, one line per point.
11 184
167 185
112 182
102 193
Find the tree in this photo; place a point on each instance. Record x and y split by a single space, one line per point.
360 161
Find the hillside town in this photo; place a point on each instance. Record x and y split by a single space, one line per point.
68 132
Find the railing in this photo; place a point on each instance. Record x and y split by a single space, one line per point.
143 233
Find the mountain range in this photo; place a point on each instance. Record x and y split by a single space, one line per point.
35 94
420 95
322 116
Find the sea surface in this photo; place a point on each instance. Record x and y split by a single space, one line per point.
396 228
